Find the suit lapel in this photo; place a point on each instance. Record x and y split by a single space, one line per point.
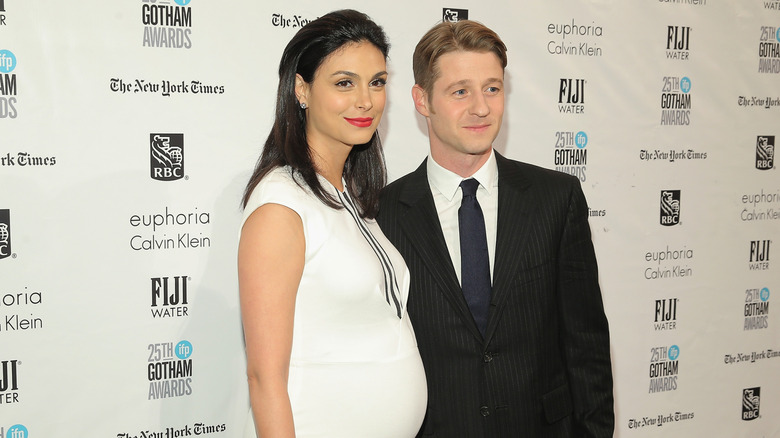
514 208
421 225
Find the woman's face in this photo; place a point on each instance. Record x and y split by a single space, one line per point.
346 98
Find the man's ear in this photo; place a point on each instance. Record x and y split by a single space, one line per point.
420 98
301 89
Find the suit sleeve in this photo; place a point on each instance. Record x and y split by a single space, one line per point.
584 331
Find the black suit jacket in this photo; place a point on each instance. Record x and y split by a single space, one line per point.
543 368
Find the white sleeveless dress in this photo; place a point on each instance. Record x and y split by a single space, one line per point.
355 370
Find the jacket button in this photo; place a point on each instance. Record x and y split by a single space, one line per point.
487 357
484 411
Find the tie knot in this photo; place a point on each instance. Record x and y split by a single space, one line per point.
469 187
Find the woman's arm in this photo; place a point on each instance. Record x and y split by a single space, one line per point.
270 265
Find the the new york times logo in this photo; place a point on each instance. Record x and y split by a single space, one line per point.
169 370
664 369
751 400
571 96
670 207
169 296
167 156
765 152
453 15
666 314
7 85
676 101
570 154
5 233
9 382
678 41
165 24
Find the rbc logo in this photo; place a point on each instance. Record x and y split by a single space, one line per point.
183 349
167 156
765 152
17 431
5 233
454 15
751 400
670 207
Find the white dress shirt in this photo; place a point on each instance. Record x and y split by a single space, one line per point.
447 196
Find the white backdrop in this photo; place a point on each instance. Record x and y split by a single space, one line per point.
118 294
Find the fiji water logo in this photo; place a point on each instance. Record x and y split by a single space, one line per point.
166 156
453 15
670 207
765 152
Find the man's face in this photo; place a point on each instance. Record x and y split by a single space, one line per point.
465 107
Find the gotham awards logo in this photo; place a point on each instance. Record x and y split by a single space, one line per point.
769 50
676 101
169 370
165 24
664 368
167 156
670 207
757 309
7 85
5 233
765 152
453 15
570 154
751 401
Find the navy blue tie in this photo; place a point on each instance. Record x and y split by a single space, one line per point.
474 258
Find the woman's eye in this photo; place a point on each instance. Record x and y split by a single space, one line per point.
379 82
344 83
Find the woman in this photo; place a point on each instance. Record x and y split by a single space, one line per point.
330 349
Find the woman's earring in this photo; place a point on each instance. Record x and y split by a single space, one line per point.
303 105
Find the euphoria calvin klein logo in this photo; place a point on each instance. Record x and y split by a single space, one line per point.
670 207
571 96
454 15
666 314
676 101
751 400
759 255
765 152
570 154
167 25
678 40
574 30
756 309
167 156
769 50
9 382
169 296
664 368
7 84
169 370
5 233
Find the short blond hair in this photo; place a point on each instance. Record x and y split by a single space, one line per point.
447 37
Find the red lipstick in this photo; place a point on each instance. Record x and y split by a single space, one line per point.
360 122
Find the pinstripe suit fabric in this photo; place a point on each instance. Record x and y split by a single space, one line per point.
543 367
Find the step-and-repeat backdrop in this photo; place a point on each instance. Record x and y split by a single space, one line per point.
128 130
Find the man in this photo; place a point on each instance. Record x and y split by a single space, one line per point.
525 354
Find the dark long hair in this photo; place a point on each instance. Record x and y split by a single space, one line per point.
364 170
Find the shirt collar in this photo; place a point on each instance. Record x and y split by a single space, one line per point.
448 182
